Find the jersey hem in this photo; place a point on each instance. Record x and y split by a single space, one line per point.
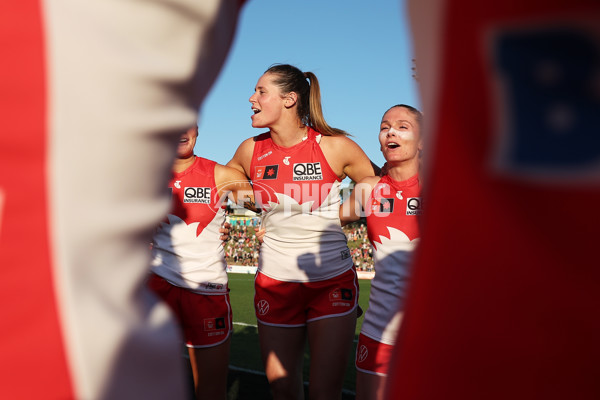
378 339
335 274
193 290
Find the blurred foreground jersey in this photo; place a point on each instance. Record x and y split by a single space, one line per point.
506 291
93 97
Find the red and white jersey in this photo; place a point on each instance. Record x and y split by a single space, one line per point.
299 194
504 298
392 226
94 97
186 249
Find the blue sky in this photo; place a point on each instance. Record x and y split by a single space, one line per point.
359 50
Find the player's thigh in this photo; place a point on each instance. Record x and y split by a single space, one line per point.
210 367
369 386
330 342
282 349
211 363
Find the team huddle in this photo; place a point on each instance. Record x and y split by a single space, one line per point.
502 302
306 286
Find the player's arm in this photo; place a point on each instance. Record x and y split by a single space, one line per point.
235 185
355 205
357 164
242 157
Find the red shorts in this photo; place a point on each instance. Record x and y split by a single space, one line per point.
373 357
205 320
291 304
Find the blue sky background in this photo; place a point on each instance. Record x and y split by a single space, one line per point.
359 50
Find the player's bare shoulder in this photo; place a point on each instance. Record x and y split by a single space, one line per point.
247 146
340 151
337 142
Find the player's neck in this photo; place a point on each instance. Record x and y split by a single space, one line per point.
403 170
288 135
181 164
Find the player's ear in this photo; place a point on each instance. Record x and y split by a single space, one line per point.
290 99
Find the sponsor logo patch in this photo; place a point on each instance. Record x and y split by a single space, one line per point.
346 294
414 206
363 353
262 307
216 286
197 195
345 254
307 172
213 324
266 172
265 155
340 297
335 295
383 205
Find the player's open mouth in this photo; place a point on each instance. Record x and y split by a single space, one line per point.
183 140
392 145
255 110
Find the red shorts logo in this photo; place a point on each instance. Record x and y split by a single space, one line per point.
363 353
211 324
262 307
335 295
340 294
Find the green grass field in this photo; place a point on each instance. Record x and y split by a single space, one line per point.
246 378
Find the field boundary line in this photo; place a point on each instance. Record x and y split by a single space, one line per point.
245 324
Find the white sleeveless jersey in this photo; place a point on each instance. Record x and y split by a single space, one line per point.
299 194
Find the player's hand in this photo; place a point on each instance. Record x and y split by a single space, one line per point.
224 231
260 235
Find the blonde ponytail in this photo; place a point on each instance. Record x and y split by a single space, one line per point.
315 113
291 79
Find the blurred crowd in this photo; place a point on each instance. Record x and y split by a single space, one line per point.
242 246
359 245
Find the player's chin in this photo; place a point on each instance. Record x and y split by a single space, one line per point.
184 148
394 159
256 123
